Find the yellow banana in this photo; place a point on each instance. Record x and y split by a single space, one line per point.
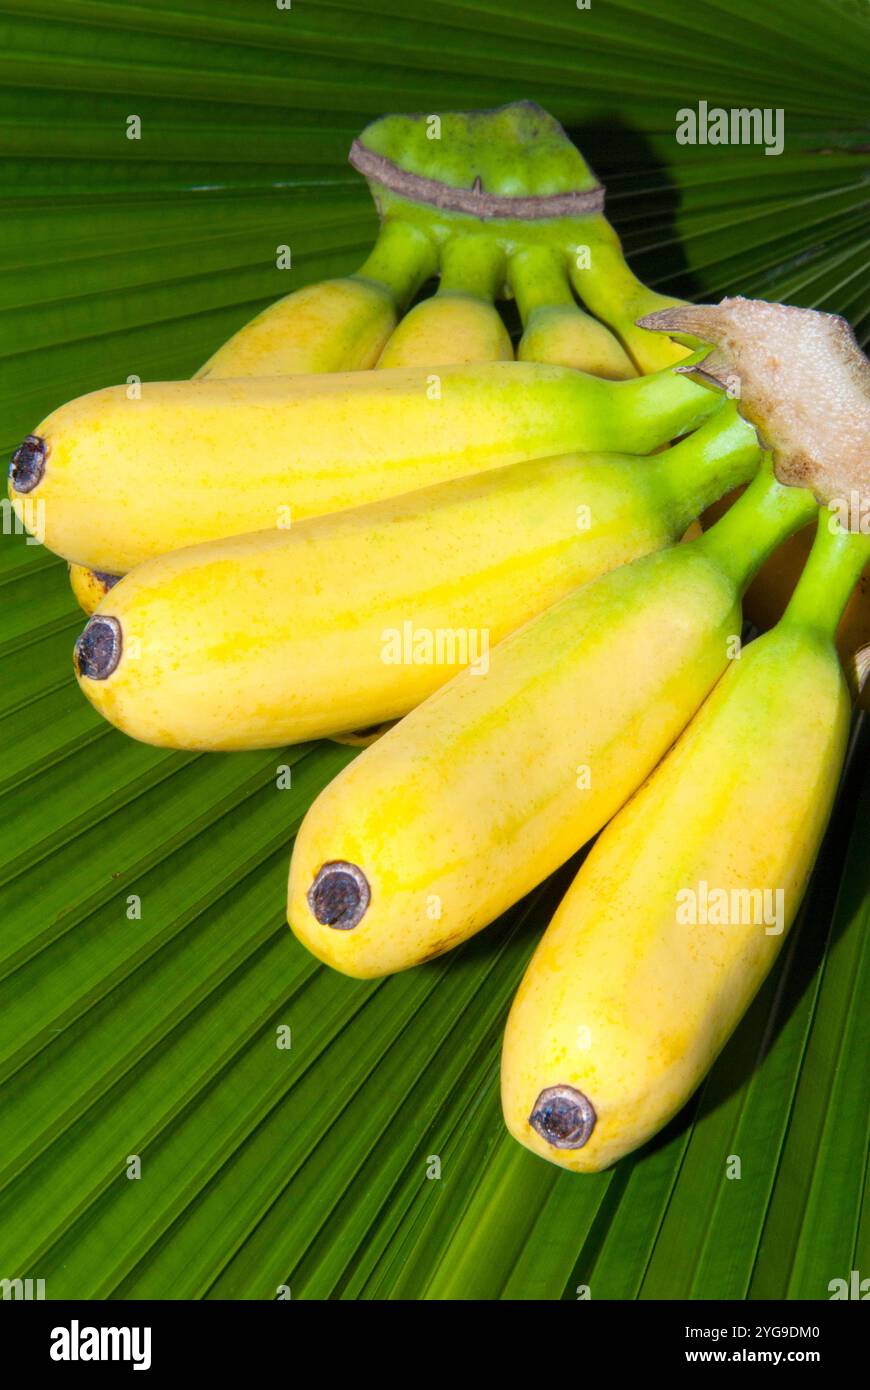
336 325
333 326
683 903
90 586
499 777
280 636
555 328
117 481
459 323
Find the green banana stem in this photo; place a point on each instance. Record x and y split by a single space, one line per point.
655 406
723 453
555 328
402 259
613 293
472 265
832 570
766 514
538 280
513 162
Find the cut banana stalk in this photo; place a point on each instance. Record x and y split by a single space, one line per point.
500 776
805 382
683 904
281 636
515 171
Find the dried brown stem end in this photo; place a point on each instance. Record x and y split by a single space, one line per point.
474 201
801 380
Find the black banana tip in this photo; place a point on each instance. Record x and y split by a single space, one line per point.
27 467
98 649
339 895
563 1117
106 581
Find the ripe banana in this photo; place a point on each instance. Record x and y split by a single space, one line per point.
555 328
90 586
682 905
333 326
459 323
280 636
121 480
497 778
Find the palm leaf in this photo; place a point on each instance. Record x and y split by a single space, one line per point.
157 1036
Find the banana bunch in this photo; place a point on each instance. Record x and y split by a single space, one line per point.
494 781
359 512
636 680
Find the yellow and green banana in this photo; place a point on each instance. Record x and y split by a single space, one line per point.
339 325
500 776
279 636
122 480
460 322
555 328
351 324
681 907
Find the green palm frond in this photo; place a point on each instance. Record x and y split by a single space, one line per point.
157 1035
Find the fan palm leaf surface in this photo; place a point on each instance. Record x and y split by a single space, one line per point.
310 1166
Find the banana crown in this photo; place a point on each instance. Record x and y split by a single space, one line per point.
512 161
